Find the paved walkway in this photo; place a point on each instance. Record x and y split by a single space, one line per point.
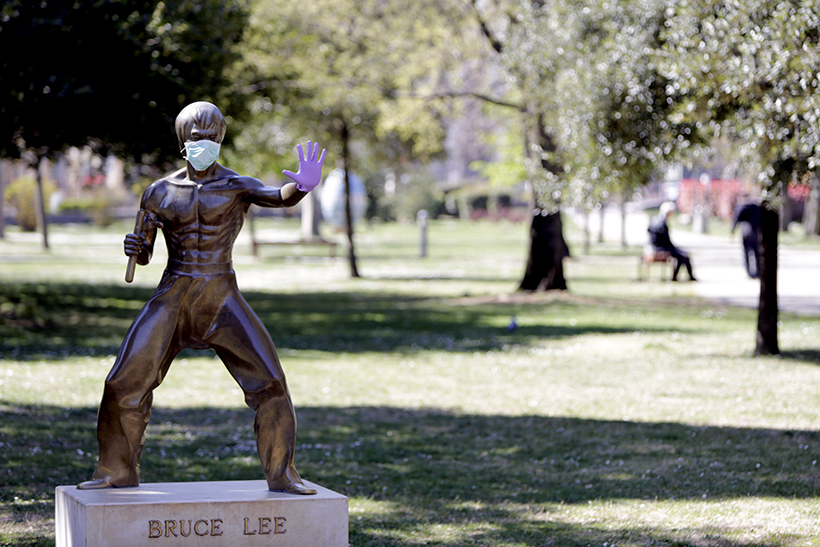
718 264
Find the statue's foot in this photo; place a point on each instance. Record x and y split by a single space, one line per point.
297 488
96 484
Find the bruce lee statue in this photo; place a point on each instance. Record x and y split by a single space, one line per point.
200 210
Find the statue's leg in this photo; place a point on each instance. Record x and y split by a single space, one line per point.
144 357
247 350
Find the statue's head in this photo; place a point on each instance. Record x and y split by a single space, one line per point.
200 118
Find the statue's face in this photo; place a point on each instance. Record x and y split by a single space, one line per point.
199 121
204 133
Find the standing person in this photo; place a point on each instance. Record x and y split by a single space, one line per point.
200 209
659 238
747 214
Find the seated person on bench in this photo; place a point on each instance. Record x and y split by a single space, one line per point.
659 238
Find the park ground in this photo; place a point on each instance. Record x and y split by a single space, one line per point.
618 413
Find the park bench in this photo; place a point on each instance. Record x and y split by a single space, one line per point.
257 242
649 257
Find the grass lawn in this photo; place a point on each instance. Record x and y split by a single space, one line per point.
618 413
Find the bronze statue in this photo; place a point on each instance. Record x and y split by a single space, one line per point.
197 304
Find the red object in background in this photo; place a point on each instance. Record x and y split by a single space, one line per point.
92 181
799 192
718 197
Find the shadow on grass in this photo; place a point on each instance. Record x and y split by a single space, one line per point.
493 480
46 321
452 278
807 355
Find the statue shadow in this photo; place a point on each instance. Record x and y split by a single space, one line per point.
494 478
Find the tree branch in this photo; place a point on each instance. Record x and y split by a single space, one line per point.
475 95
485 29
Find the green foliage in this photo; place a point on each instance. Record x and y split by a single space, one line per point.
309 69
508 169
527 41
265 142
749 71
614 104
98 206
623 87
113 73
22 195
590 81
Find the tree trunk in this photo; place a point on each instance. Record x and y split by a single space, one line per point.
786 212
351 251
4 174
310 216
767 306
601 225
40 206
545 265
811 214
623 221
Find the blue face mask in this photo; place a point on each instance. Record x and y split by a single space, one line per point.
201 154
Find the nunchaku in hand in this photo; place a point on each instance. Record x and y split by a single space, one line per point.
132 259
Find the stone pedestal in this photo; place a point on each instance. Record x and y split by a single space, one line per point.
194 514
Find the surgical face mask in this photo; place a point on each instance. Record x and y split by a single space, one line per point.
201 154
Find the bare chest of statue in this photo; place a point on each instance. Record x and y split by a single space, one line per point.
201 221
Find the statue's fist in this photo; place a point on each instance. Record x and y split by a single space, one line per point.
133 244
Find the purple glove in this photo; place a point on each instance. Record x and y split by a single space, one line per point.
310 169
